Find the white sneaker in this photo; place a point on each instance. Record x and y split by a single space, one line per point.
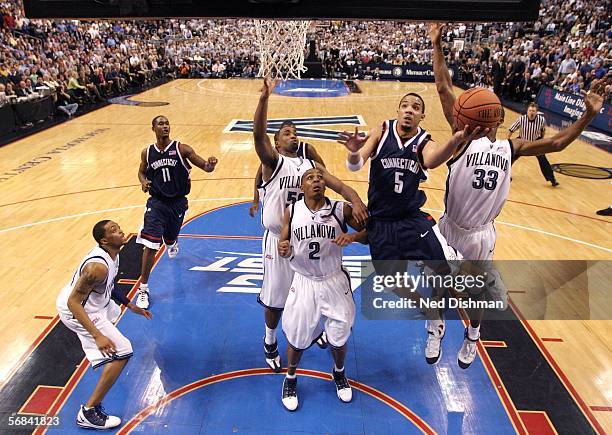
96 418
343 388
467 353
173 250
435 334
289 395
142 299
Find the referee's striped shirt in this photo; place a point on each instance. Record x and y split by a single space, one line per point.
530 130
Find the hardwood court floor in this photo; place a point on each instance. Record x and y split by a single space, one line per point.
86 169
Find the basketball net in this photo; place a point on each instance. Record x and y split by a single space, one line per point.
281 47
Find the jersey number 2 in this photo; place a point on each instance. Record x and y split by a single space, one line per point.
166 174
314 247
490 183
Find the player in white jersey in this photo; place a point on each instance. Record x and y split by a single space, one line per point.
312 239
479 175
282 170
86 308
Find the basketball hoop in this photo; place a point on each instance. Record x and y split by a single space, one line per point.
281 47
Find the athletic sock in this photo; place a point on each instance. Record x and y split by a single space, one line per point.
473 333
291 376
337 370
270 335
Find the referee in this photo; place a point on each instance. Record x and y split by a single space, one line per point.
533 126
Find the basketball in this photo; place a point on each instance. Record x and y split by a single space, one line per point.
477 107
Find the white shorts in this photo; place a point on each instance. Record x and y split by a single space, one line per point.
277 277
103 320
474 244
310 301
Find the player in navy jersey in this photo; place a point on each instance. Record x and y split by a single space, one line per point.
305 151
400 153
164 174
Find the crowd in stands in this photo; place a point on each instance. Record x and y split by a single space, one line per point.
80 62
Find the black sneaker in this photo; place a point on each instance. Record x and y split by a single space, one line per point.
605 212
96 418
289 396
322 340
343 389
554 182
273 359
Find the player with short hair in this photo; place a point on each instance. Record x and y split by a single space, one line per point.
282 170
479 175
164 173
312 238
86 308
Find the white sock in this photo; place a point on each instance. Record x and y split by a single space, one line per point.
270 336
473 333
86 408
291 376
337 370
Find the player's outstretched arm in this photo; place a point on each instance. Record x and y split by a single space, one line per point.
284 245
255 204
265 151
142 172
91 275
594 102
444 82
433 154
188 153
360 211
359 147
312 154
345 239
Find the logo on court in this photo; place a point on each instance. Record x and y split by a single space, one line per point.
305 126
244 270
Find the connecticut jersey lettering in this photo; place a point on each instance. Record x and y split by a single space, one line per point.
395 174
478 182
311 234
168 172
100 296
281 190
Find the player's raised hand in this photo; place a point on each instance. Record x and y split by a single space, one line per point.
145 186
465 135
268 86
344 239
594 99
435 32
353 141
211 163
284 248
253 209
106 346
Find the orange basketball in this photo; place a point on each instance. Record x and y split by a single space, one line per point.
477 107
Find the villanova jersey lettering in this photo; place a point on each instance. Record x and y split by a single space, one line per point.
314 231
395 174
168 173
488 159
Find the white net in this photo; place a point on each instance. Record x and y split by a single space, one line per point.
281 47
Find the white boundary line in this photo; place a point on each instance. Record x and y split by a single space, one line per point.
89 213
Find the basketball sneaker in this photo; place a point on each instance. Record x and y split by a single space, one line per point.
173 250
435 334
96 418
467 353
289 396
343 389
142 299
273 359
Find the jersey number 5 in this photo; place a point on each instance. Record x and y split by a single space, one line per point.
489 183
399 184
166 174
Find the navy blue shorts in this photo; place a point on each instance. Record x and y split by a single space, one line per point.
413 238
162 222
